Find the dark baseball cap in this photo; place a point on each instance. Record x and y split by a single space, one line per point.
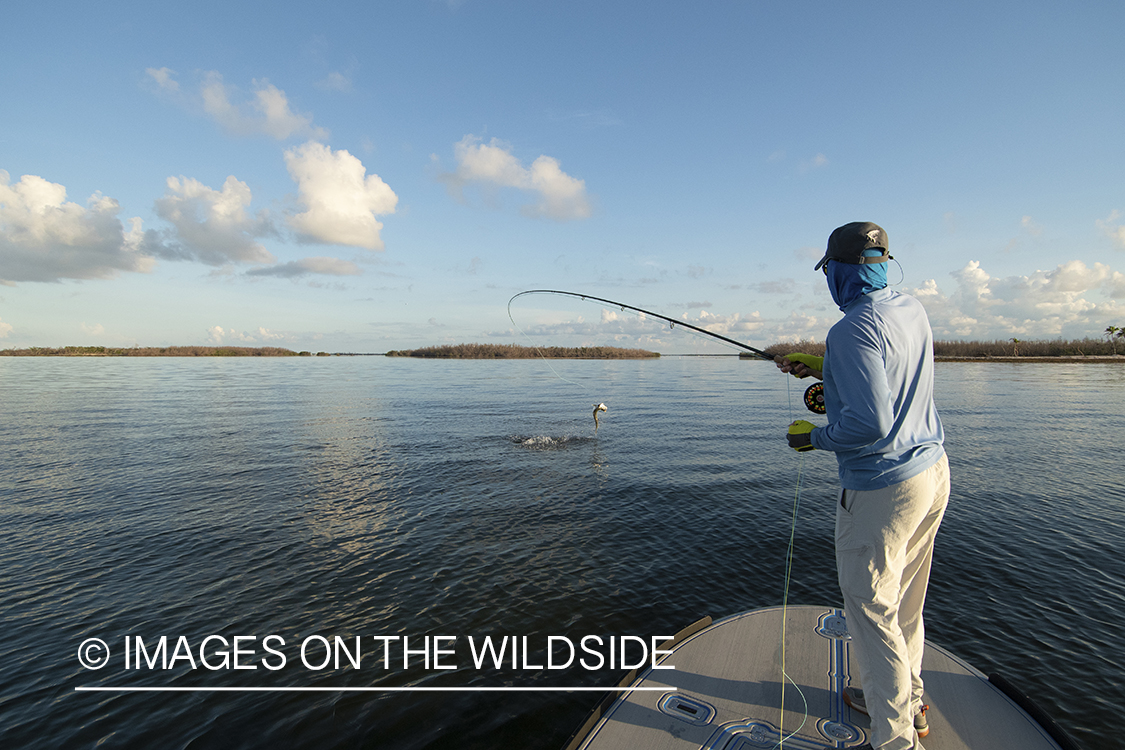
847 244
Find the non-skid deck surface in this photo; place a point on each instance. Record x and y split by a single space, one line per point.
726 694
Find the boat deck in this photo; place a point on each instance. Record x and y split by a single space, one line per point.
725 693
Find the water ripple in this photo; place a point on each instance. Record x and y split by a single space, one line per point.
377 497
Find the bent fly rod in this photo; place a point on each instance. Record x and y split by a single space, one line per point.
623 306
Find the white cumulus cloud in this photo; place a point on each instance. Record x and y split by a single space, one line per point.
267 335
219 335
5 329
340 199
1072 300
44 237
216 335
615 327
726 325
558 195
266 113
213 226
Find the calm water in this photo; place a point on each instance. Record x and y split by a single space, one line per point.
384 497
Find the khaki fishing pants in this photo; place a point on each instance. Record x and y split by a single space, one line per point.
884 547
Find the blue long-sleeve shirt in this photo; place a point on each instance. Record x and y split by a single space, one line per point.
878 392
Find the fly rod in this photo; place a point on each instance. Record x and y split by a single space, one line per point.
623 306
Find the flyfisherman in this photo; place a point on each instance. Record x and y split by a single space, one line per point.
878 374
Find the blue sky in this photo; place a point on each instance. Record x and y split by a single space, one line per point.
370 176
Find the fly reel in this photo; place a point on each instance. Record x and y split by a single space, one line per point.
814 398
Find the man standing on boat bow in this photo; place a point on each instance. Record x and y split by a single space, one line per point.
878 373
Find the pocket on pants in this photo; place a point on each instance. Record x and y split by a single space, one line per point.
847 536
857 573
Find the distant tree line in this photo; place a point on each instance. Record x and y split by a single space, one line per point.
155 351
1012 347
512 351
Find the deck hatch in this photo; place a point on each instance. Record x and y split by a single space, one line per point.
686 708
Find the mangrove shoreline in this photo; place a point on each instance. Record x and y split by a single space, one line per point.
1084 350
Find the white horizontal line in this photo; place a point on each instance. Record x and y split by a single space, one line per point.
362 689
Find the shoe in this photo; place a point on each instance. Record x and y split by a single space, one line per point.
854 698
921 726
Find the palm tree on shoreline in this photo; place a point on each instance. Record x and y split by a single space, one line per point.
1113 333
